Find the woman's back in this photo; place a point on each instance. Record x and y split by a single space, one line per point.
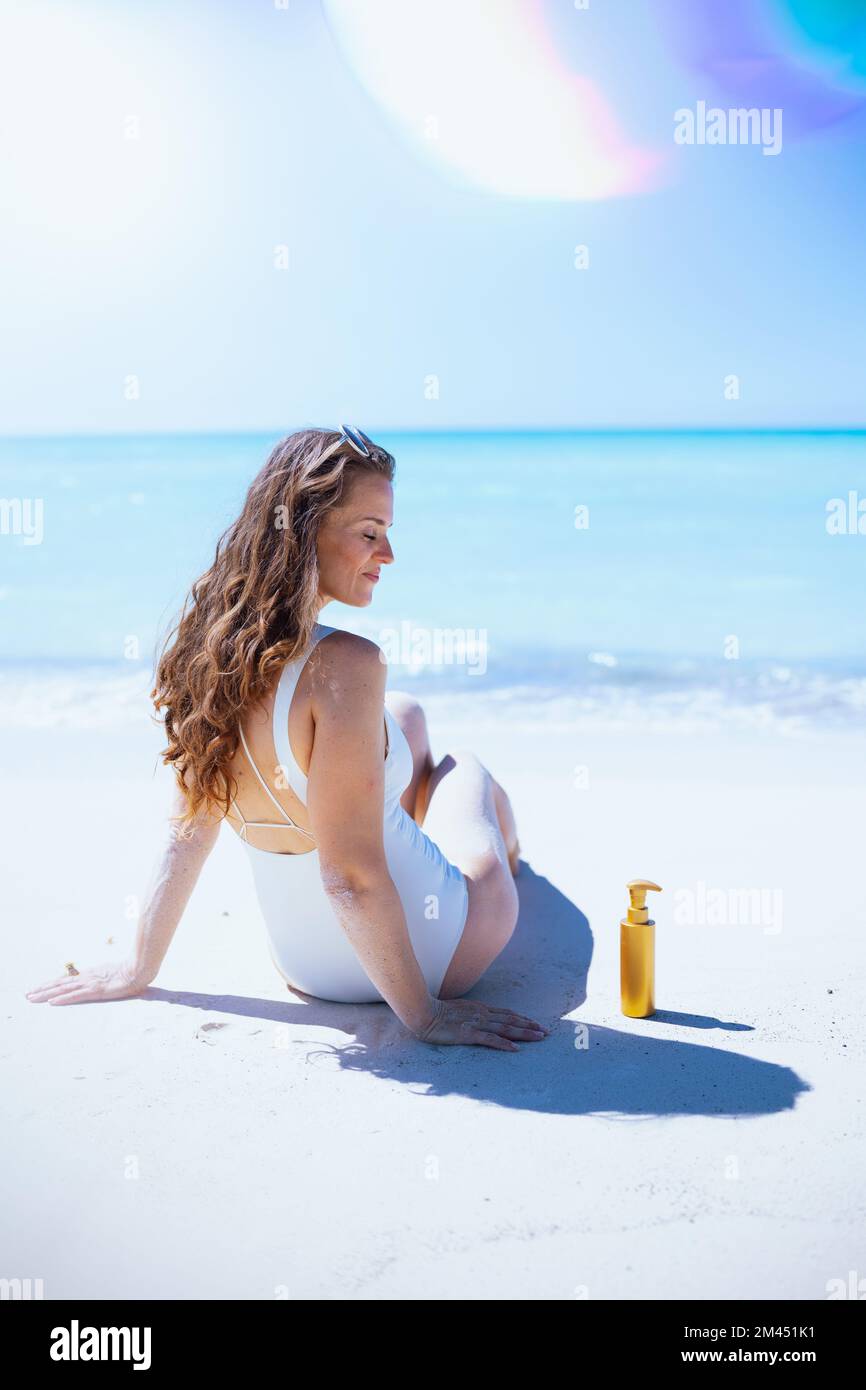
276 733
307 943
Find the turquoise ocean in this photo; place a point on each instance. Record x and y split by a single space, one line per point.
678 577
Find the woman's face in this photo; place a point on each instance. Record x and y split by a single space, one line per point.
353 544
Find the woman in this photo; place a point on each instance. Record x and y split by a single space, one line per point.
360 903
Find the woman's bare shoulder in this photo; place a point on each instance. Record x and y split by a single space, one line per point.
348 661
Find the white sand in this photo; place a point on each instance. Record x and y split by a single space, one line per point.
221 1138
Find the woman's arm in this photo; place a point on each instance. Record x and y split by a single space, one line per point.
345 804
174 876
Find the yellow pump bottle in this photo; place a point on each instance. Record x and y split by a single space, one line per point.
637 949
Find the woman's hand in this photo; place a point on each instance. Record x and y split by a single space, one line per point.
470 1021
114 981
174 877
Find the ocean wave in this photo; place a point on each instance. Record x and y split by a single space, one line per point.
776 698
83 698
693 711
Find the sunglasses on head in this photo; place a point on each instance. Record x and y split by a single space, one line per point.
363 445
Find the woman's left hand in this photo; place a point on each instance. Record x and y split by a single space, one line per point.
100 982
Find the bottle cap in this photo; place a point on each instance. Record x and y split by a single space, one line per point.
637 891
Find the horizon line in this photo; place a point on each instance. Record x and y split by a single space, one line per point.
281 432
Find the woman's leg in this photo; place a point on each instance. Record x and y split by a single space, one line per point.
410 716
508 826
462 812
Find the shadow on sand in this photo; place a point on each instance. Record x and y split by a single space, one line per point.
580 1069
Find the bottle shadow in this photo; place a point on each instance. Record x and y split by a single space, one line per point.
580 1069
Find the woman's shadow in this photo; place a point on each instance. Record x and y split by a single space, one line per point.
580 1069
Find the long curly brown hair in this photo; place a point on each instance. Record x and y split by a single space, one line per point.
252 611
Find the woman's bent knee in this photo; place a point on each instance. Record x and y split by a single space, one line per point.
404 707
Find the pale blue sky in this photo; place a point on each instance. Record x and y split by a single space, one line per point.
154 257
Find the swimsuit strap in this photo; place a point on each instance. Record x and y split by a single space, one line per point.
267 790
286 687
289 823
265 825
243 830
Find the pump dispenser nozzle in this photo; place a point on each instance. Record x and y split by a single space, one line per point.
637 891
637 952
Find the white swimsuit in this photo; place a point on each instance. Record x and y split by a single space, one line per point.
307 943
